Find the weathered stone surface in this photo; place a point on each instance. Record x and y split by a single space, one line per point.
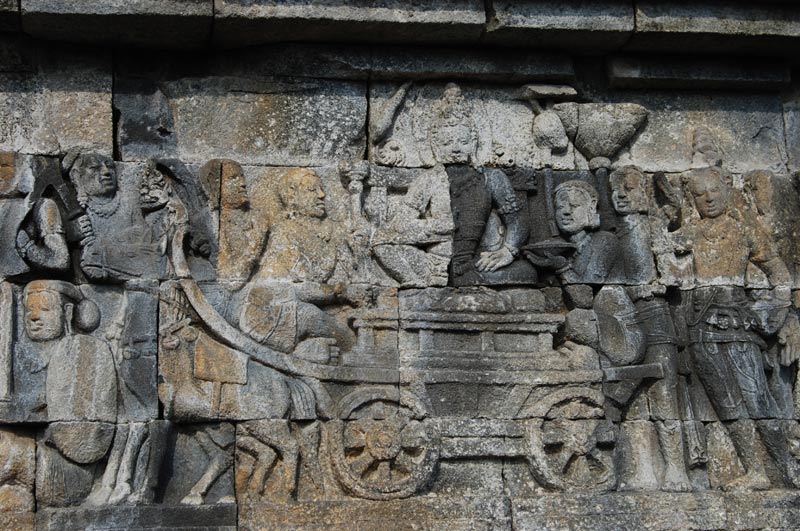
706 511
714 27
632 72
239 23
63 102
402 117
454 513
388 299
150 23
665 142
255 121
582 26
150 518
18 458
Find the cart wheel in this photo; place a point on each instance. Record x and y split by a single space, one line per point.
382 447
573 453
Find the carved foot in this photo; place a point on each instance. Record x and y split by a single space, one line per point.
120 494
750 481
193 498
676 480
99 497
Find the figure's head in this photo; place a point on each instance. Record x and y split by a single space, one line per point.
454 139
93 175
301 193
233 190
576 206
53 308
710 191
628 190
154 190
223 183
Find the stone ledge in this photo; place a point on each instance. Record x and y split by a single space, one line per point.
240 23
715 27
147 23
732 27
592 27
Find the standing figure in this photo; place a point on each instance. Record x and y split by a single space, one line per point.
725 346
638 234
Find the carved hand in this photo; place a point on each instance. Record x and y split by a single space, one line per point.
789 339
23 242
494 260
87 231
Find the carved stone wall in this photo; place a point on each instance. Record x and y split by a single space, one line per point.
388 265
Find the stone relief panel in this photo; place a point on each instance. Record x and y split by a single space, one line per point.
495 277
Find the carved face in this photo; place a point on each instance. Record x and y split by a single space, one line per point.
455 144
305 196
152 192
710 194
628 195
96 175
234 189
575 210
44 316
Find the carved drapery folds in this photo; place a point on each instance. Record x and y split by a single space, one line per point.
499 278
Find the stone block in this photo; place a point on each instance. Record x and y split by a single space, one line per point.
502 117
115 347
199 461
148 23
59 101
255 120
748 130
632 72
582 26
242 23
714 27
453 513
791 117
18 461
220 517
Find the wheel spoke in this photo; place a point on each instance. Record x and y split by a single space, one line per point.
361 464
354 435
404 463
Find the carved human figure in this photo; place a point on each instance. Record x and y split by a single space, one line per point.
638 233
475 193
165 214
41 241
303 251
238 240
410 238
115 245
80 385
596 252
726 350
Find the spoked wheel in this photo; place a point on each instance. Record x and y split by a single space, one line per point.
382 447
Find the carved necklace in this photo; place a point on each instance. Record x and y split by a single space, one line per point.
103 209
